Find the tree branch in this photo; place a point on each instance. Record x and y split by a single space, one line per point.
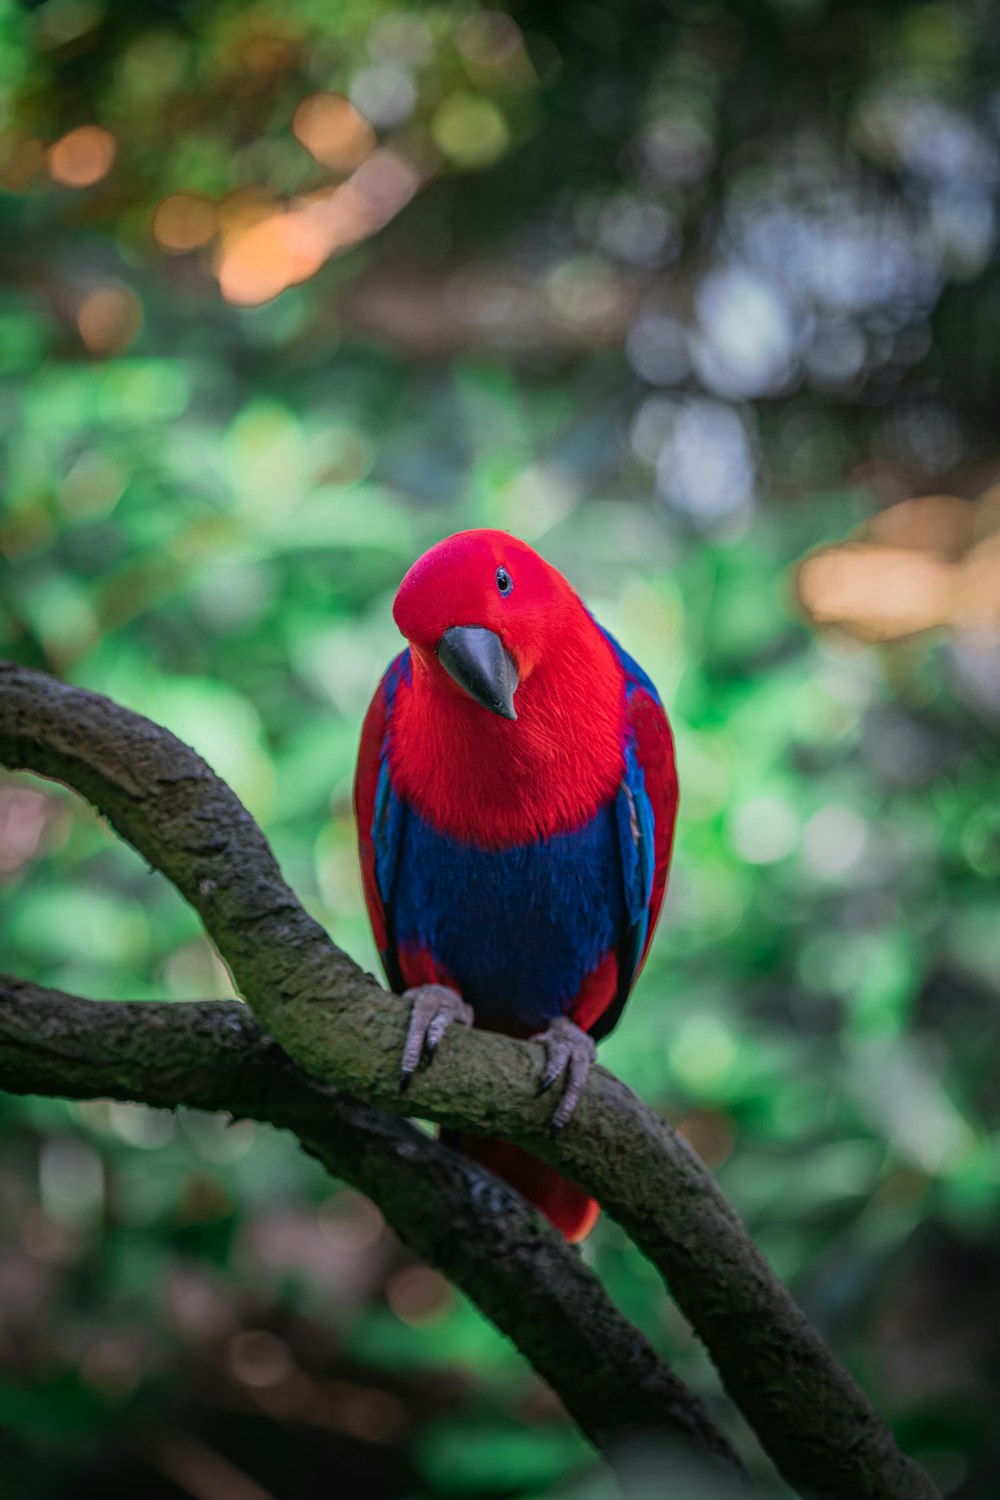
213 1055
338 1024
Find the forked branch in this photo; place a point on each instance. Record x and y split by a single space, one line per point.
339 1025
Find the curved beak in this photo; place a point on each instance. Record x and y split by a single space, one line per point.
476 659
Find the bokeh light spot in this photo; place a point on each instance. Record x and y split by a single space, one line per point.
273 255
657 349
489 39
585 294
678 147
149 1129
704 1052
638 232
349 1222
710 1132
748 343
70 1180
62 21
706 467
418 1295
22 820
470 130
259 1359
183 222
878 593
333 131
764 830
82 157
834 840
109 318
385 93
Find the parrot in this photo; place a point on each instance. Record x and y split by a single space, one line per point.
515 796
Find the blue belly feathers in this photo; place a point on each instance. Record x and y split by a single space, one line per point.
517 929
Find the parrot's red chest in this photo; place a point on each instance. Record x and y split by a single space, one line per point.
496 784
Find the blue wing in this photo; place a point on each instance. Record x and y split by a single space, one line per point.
645 809
381 816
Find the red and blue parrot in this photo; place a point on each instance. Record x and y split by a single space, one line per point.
515 796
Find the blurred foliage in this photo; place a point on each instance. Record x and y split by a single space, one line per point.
678 293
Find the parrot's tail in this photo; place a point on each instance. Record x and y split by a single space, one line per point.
563 1204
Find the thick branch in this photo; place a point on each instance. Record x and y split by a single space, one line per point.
213 1055
338 1024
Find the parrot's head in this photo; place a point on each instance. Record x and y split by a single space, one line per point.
478 610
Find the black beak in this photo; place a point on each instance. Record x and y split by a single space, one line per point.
476 659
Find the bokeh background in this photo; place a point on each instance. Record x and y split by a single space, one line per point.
703 301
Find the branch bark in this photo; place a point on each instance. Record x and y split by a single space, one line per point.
213 1055
338 1024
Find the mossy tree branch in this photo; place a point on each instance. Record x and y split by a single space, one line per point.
213 1055
338 1024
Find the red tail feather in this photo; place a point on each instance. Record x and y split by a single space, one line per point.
563 1204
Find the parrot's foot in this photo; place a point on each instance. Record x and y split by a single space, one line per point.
435 1006
569 1051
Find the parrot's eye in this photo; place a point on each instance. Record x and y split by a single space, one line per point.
504 581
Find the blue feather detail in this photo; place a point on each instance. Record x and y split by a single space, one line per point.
517 929
387 828
635 829
400 669
636 841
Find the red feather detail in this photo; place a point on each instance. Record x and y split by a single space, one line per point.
417 966
596 993
365 792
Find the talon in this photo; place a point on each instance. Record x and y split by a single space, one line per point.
435 1007
570 1053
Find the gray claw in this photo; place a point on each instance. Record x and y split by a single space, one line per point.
570 1052
435 1007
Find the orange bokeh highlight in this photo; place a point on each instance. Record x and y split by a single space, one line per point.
257 263
183 222
274 254
333 131
82 157
875 593
418 1295
109 319
924 564
977 602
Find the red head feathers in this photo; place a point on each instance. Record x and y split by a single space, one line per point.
492 625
